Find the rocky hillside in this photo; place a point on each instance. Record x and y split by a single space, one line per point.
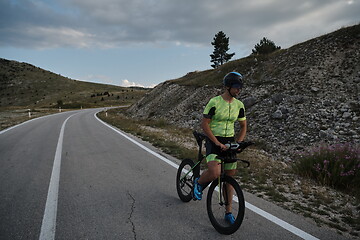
294 98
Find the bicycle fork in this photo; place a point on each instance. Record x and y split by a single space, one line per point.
223 191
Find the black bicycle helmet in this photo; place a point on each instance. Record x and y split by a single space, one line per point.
233 80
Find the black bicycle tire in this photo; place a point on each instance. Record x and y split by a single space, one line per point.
241 211
182 196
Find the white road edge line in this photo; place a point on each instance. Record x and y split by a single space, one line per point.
281 223
48 226
298 232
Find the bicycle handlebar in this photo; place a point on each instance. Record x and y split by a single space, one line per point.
231 146
238 145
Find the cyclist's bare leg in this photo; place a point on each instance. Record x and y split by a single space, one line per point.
230 172
229 190
213 172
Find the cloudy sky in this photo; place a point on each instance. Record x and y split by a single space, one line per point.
145 42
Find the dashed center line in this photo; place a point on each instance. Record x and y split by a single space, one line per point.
48 226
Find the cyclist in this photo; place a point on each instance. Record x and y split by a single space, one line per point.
219 117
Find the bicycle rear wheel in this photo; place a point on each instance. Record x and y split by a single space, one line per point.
218 200
185 180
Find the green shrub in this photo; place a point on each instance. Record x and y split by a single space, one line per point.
265 46
337 166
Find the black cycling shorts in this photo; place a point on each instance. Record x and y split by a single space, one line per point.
211 148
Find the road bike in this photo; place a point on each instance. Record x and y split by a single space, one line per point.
223 192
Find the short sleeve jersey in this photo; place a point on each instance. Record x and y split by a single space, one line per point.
223 115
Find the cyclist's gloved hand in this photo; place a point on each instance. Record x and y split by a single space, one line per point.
222 147
241 144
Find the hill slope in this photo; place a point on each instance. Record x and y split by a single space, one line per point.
22 84
294 98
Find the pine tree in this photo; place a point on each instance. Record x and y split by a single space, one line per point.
265 46
221 46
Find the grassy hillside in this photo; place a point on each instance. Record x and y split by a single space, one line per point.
25 85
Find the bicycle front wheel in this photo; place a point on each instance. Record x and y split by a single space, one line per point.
185 180
225 196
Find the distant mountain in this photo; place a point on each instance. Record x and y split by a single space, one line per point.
22 84
294 98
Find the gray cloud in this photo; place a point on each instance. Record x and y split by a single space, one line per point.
111 23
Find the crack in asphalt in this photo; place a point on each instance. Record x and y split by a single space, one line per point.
129 218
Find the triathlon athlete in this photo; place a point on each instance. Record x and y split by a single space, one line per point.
219 117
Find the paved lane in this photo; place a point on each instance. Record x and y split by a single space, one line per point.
109 188
26 159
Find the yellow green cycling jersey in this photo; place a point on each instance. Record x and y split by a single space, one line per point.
223 115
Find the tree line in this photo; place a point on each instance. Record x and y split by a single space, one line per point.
220 54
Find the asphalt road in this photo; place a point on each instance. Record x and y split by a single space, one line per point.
70 176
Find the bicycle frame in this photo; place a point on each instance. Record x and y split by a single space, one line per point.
199 140
187 173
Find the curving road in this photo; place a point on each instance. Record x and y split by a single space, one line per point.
71 176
